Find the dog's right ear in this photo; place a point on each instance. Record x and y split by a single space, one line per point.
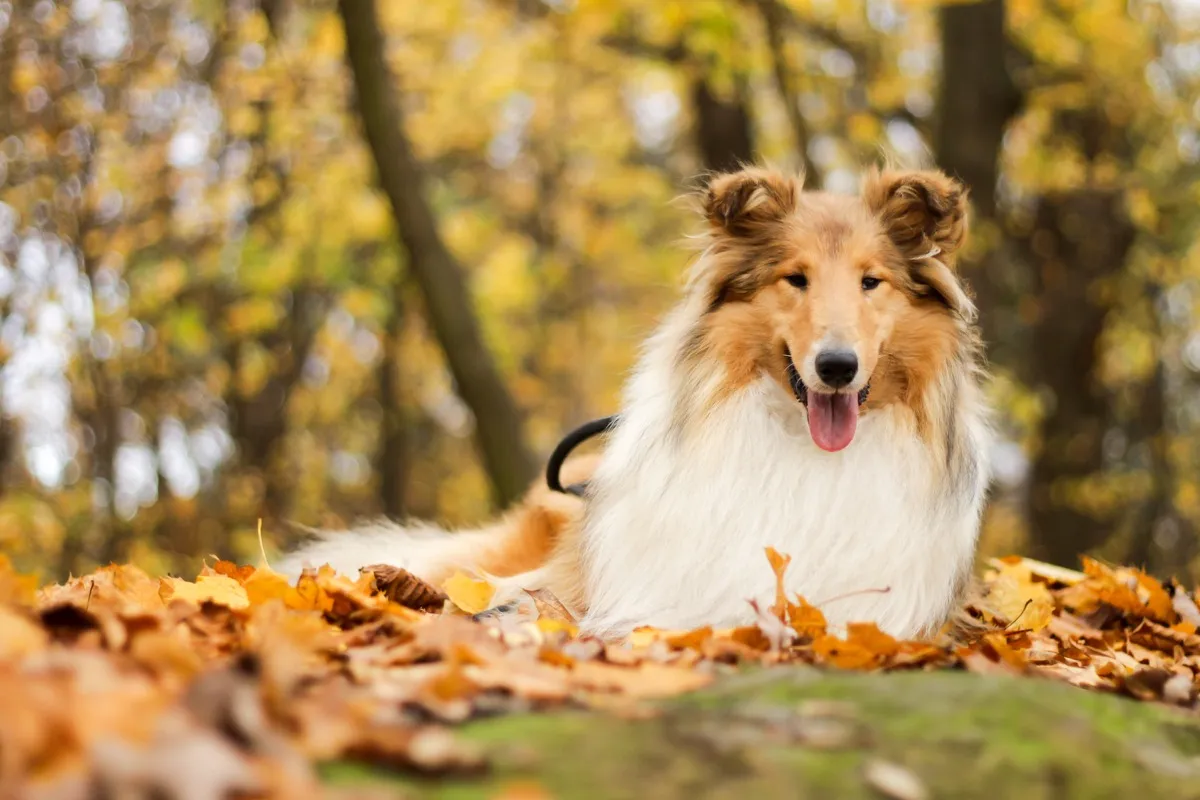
741 204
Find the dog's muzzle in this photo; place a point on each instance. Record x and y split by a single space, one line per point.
801 391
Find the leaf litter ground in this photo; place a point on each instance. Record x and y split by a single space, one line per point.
237 683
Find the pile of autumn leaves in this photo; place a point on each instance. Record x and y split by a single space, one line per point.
237 683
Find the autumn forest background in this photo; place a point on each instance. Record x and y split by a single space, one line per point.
306 262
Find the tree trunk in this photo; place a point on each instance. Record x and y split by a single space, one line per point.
1078 239
8 449
438 275
978 98
724 133
393 455
773 25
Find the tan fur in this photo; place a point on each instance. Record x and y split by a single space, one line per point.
537 526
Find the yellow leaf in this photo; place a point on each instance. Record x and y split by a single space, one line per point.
1015 596
549 626
470 595
265 585
219 589
1052 572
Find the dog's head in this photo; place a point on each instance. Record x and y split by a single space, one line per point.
848 301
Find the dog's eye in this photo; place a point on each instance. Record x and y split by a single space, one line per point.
869 283
798 280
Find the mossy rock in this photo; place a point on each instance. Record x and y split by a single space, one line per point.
800 733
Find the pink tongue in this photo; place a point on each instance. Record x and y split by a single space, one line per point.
832 419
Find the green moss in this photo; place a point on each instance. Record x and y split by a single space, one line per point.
963 735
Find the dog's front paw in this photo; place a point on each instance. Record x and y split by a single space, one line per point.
504 610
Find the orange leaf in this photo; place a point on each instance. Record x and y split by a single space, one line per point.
806 620
229 569
844 655
779 564
691 640
868 635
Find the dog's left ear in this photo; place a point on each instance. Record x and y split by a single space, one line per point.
925 215
742 204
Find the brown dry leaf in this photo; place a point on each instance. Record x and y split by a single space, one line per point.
467 593
550 609
401 586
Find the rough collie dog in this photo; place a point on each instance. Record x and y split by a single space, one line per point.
816 390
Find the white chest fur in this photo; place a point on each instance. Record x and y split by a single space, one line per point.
675 534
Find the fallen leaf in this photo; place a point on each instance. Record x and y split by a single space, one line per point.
1022 603
779 564
1051 572
550 608
219 589
468 594
401 586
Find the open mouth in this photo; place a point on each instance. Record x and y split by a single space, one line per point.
832 416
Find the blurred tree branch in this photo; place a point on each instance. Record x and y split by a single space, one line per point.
435 270
773 22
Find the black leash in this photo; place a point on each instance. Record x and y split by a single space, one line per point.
569 443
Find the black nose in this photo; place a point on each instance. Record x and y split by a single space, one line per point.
837 367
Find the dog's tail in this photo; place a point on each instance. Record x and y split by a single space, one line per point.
520 541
